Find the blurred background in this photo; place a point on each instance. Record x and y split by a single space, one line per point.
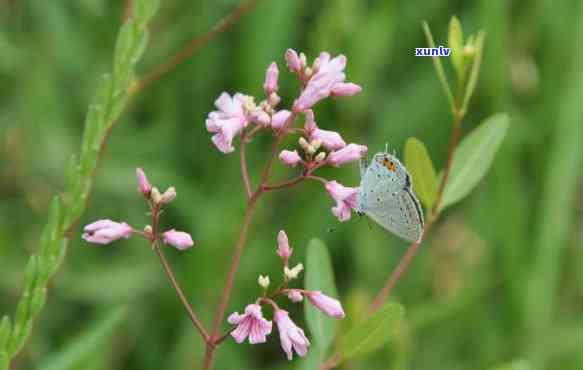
499 282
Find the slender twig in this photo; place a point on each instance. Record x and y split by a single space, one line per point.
170 274
244 169
208 358
128 10
197 323
195 44
286 184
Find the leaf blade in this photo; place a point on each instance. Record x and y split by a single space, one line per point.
473 158
420 166
319 276
381 327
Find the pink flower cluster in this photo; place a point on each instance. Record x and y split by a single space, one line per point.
317 147
253 326
107 231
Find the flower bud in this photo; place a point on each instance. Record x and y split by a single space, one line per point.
178 239
320 157
271 77
168 195
155 195
290 158
263 281
294 272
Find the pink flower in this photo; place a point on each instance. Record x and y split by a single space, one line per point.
228 121
143 185
271 77
328 79
345 197
290 335
328 305
260 117
330 140
350 153
283 248
178 239
279 119
310 125
294 63
346 89
290 158
106 231
251 324
295 295
169 195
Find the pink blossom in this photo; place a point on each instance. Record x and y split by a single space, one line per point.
251 324
169 195
259 116
144 185
290 335
290 158
178 239
330 140
279 119
294 63
283 248
271 77
345 197
346 89
350 153
227 121
328 305
295 295
310 125
106 231
329 76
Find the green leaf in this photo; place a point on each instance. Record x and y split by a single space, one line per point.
422 171
475 71
456 43
381 327
473 158
439 68
5 330
319 276
82 347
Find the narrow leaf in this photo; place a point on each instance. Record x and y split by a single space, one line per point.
5 329
439 68
475 71
422 171
473 158
90 341
383 326
319 276
455 42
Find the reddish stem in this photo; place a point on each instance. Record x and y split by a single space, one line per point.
244 169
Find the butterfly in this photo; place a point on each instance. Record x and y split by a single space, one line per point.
386 196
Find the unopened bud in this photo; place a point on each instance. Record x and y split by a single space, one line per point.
263 281
155 195
168 195
293 272
469 51
320 157
303 143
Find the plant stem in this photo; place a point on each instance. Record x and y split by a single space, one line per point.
244 169
197 323
170 274
195 44
213 340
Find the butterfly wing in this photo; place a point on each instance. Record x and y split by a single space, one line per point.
390 202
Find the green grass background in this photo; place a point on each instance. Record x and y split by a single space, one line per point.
497 285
